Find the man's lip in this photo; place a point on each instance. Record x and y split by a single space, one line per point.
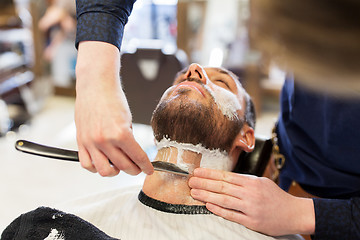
193 85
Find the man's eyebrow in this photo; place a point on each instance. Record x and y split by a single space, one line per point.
223 71
229 73
226 72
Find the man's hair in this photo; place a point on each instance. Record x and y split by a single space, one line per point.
315 39
250 115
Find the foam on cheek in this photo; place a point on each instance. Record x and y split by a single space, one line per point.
226 101
214 159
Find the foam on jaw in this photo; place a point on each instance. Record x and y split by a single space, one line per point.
214 159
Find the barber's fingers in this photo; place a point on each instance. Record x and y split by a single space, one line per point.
228 207
85 159
134 152
230 177
101 163
225 201
216 186
120 160
226 189
92 159
239 209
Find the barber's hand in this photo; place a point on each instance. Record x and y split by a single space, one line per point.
102 115
257 203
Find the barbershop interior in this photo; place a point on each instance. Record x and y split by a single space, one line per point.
37 84
38 59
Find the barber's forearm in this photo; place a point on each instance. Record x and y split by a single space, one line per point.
102 20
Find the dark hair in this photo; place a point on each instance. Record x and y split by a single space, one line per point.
250 115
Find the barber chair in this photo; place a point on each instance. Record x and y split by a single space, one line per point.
145 75
255 162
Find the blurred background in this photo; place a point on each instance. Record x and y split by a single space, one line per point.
37 84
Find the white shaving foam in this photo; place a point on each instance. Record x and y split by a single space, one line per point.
214 159
55 235
57 215
225 100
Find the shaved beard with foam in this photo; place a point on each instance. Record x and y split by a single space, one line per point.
185 120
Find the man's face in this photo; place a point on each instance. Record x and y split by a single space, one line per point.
203 106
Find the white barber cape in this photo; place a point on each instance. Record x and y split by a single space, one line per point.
120 214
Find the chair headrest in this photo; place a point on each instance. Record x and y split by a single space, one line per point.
256 161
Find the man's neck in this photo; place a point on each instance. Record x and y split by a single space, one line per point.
168 187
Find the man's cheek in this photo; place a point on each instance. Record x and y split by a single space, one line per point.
225 100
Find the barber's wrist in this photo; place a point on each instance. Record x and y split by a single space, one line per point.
97 62
305 212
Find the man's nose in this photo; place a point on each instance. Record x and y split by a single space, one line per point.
196 71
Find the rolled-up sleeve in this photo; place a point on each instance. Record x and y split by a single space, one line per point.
102 20
337 219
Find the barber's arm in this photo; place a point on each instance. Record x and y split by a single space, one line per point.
102 115
337 219
257 203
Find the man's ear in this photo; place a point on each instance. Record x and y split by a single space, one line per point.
245 140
